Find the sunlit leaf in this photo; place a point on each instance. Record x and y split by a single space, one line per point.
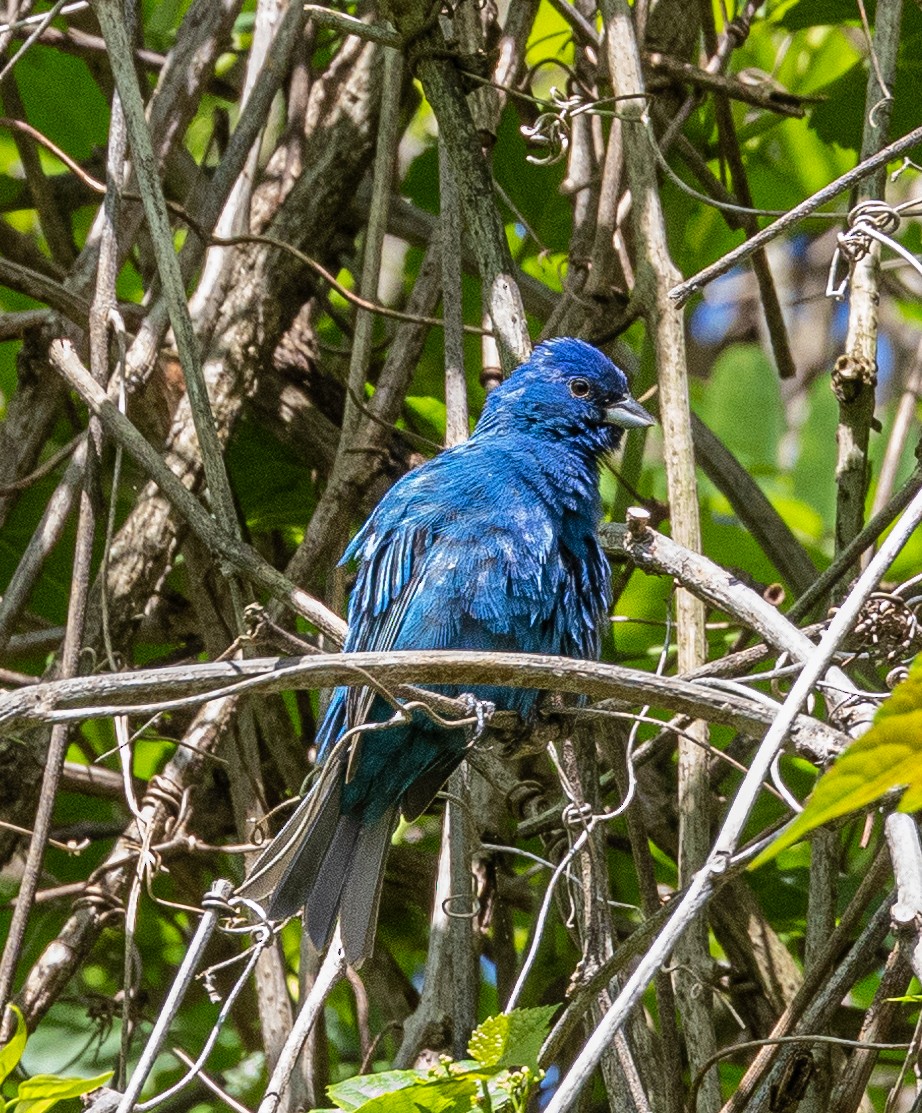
42 1091
888 756
431 1095
356 1091
12 1050
512 1039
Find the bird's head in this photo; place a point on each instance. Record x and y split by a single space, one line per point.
569 390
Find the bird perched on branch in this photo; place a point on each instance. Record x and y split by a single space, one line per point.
492 545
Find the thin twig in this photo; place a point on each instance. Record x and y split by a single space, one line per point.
49 465
701 886
238 554
349 25
868 536
855 373
332 969
501 298
684 290
385 162
214 906
903 422
371 306
120 54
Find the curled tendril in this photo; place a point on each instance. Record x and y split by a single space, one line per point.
868 221
552 129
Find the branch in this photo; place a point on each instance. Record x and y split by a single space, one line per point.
52 973
702 885
868 536
120 55
660 555
854 376
349 25
762 96
239 555
752 507
655 272
43 288
146 691
385 159
431 62
684 290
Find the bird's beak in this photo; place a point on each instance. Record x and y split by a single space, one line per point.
629 414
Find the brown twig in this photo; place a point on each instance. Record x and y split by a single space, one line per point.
762 96
681 292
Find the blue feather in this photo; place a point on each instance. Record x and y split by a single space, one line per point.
492 545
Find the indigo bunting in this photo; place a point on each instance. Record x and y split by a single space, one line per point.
492 545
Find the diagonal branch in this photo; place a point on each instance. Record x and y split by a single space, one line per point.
239 555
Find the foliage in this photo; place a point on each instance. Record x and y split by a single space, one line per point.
888 756
41 1092
502 1071
311 436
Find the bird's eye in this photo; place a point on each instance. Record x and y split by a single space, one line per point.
579 388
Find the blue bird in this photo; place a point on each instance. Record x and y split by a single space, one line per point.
492 545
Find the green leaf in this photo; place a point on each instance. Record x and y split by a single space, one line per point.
42 1091
512 1039
429 414
438 1095
361 1088
888 756
816 13
12 1050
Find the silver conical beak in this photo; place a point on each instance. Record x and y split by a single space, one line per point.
629 414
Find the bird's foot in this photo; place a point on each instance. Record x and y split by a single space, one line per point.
481 710
553 720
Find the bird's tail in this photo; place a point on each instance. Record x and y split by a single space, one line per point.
329 863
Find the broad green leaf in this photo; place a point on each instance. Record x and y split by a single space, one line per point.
12 1050
512 1039
816 13
888 756
361 1088
436 1095
39 1093
77 121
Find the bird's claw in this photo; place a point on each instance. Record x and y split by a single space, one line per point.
482 711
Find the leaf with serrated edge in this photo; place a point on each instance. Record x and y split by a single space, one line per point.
512 1039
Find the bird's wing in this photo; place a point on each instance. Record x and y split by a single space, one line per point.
459 554
387 581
